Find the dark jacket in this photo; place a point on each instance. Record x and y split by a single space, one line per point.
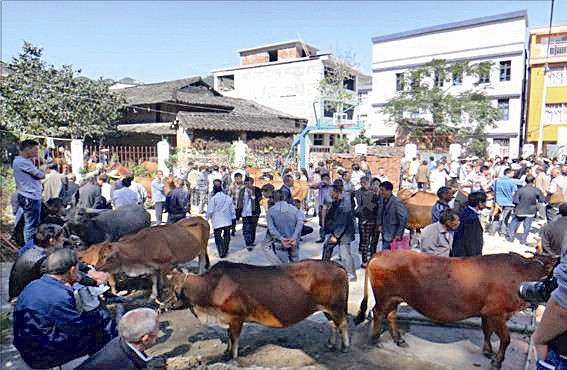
115 355
552 236
256 210
366 205
50 331
468 239
436 211
27 268
177 201
526 200
70 193
392 216
90 197
340 221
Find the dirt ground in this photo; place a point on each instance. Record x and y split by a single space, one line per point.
186 343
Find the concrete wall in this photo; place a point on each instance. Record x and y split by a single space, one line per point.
495 42
288 87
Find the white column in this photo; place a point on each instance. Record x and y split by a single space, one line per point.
240 153
163 156
410 151
455 151
77 157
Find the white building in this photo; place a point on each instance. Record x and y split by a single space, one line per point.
499 38
285 76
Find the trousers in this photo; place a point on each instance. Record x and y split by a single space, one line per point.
222 240
32 214
249 225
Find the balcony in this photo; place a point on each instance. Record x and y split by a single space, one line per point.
558 49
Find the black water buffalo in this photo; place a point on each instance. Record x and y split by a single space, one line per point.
106 225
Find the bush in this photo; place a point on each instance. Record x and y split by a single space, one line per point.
138 169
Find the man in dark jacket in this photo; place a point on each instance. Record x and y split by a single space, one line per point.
90 195
248 207
50 326
468 239
339 225
138 330
444 195
70 191
177 203
526 200
553 233
286 190
392 215
366 211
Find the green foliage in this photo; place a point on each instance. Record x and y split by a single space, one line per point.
341 145
332 85
426 107
44 100
361 138
83 170
172 160
138 169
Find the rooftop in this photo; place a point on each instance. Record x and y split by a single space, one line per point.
454 25
278 45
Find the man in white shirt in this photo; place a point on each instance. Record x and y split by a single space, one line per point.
382 174
438 177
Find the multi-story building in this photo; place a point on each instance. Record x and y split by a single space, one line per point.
548 47
285 76
499 38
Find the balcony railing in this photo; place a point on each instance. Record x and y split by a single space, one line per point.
558 49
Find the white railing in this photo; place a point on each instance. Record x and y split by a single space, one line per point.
557 49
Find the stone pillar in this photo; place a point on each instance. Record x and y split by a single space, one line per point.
455 151
240 149
77 157
163 156
410 151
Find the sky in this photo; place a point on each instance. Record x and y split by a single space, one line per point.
163 40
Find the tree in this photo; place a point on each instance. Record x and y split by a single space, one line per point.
40 99
336 87
429 106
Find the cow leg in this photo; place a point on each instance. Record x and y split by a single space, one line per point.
112 283
393 325
234 330
487 330
202 261
379 312
499 325
155 282
343 327
332 342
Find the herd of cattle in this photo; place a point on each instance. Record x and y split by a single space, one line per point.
443 289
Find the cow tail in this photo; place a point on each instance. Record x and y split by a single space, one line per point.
364 304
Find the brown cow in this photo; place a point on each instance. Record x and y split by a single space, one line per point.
146 182
299 190
154 249
274 296
419 206
451 289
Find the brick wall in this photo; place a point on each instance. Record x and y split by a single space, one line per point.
254 58
289 53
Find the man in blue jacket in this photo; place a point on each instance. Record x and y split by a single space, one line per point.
51 327
468 239
504 189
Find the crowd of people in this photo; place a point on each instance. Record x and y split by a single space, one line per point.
347 201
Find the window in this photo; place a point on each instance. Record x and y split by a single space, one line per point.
273 55
329 108
504 108
318 139
555 113
437 80
484 78
457 78
349 83
505 70
399 81
226 83
331 140
557 76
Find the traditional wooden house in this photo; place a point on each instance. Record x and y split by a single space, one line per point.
188 113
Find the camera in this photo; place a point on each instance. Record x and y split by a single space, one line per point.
538 291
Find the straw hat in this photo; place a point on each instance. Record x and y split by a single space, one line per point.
114 174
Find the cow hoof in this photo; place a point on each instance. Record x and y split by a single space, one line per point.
331 346
402 343
488 354
495 365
